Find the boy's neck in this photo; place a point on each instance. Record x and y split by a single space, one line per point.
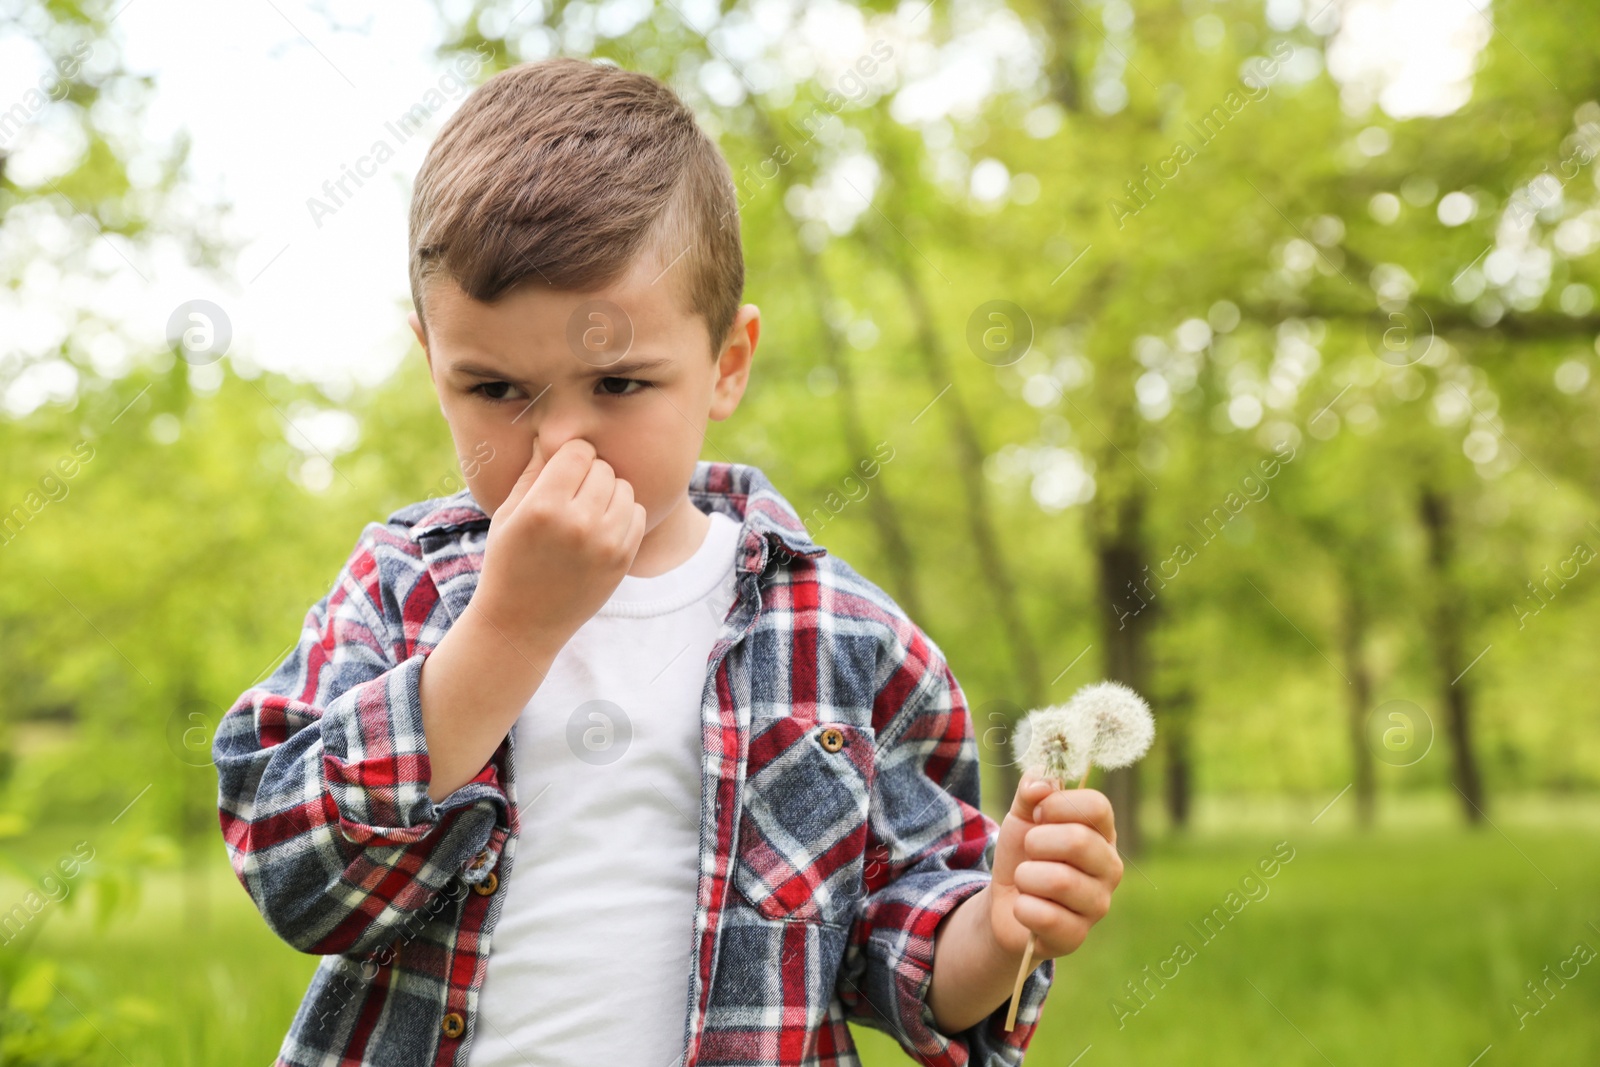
674 539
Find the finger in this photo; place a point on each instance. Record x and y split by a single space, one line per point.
1066 886
637 522
1030 791
525 480
641 522
622 518
1071 842
619 507
1009 850
599 486
566 470
1088 806
1060 927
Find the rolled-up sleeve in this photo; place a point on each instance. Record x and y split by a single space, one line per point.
323 778
930 847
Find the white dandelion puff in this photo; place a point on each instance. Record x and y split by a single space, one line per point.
1122 726
1105 724
1055 742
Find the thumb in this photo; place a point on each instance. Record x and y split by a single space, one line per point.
1030 791
525 481
1009 851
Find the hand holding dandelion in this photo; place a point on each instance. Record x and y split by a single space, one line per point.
1104 725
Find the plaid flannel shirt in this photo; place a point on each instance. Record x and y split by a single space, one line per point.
840 820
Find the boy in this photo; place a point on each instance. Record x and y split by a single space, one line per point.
602 759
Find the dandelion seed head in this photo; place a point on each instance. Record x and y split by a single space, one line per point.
1054 742
1122 726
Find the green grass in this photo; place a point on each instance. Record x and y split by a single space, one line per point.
1403 946
174 982
1405 949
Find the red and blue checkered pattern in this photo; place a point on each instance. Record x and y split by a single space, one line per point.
826 859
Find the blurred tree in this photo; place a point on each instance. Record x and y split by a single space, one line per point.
1128 151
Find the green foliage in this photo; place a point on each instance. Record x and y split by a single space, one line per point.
172 526
1408 948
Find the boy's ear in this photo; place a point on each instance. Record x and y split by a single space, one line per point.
422 339
733 362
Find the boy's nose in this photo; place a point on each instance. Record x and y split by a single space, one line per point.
555 420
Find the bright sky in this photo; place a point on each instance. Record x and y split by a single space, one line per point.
279 100
272 118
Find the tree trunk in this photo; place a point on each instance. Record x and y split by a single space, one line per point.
1177 714
881 509
1062 62
1125 622
1352 633
976 508
1455 691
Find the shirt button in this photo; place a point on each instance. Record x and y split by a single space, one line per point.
480 859
487 886
453 1024
832 739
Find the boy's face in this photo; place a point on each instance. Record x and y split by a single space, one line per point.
553 365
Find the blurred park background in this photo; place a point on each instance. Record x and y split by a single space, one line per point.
1241 351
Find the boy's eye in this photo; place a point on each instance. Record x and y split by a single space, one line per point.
487 390
609 391
498 391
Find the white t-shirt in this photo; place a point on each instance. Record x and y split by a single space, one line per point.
590 957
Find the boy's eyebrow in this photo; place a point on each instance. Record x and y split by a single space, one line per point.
620 368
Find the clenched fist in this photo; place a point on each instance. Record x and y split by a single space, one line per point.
1055 868
559 544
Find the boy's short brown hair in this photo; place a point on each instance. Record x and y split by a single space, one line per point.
565 171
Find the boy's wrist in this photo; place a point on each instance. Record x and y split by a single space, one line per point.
973 972
473 685
493 625
498 659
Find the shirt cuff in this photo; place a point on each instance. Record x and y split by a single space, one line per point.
375 762
986 1042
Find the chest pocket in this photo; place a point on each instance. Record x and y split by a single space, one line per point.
803 829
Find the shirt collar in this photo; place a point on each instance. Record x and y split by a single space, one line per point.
739 490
